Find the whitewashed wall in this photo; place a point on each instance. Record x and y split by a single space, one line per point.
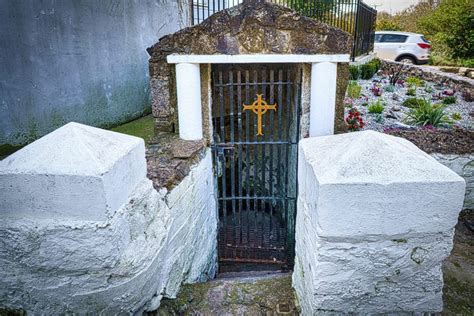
375 220
142 251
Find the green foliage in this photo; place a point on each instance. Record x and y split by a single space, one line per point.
415 82
456 116
451 28
365 104
449 100
379 118
429 89
354 72
389 88
428 114
143 127
411 91
368 70
413 102
376 107
353 90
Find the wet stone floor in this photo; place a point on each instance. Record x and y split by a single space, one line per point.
270 293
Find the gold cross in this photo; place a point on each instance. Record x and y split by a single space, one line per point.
259 107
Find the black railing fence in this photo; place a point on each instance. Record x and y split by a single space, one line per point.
352 16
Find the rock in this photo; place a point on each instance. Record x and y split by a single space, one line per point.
392 115
395 97
186 148
396 108
400 125
463 71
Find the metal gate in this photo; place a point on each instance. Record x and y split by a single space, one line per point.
255 112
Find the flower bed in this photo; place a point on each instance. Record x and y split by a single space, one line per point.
396 100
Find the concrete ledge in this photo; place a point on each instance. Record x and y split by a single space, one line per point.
257 58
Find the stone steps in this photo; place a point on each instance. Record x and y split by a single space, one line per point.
235 293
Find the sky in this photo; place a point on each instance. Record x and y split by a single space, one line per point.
391 6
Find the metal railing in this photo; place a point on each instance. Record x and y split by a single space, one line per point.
352 16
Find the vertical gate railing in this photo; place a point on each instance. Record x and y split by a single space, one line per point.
256 173
352 16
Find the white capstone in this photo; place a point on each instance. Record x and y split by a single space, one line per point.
125 265
375 220
76 172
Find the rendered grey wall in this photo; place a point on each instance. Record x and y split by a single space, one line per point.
77 60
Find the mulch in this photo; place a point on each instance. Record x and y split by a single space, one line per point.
444 141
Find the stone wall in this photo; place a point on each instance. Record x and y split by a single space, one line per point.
375 220
253 27
82 61
463 165
127 262
451 81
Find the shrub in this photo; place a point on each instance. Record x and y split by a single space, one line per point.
449 100
376 107
456 116
353 90
427 114
429 89
411 91
389 88
354 72
354 120
415 82
413 102
368 70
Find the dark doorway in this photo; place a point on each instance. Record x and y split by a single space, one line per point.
255 161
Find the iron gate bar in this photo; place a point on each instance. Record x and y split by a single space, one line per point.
266 232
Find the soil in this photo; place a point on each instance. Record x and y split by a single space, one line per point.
445 141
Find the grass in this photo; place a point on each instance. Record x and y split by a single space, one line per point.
143 127
376 107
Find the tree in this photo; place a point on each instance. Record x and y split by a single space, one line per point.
451 25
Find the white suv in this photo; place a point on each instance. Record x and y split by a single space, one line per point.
405 47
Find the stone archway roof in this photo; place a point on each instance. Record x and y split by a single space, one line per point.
254 27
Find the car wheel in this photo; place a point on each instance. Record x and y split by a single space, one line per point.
407 60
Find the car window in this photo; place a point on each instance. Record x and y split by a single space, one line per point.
425 40
393 38
378 37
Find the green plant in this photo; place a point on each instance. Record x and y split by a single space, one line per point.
389 88
379 118
429 89
456 116
411 91
365 104
428 114
354 72
413 102
368 70
376 107
353 90
415 82
449 100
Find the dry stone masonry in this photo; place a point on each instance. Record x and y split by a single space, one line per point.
84 230
375 220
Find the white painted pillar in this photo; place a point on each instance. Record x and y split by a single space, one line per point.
188 86
323 99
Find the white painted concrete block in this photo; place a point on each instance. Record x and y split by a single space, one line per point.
188 90
323 98
126 264
76 172
375 220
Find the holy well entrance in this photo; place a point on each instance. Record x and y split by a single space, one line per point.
255 113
